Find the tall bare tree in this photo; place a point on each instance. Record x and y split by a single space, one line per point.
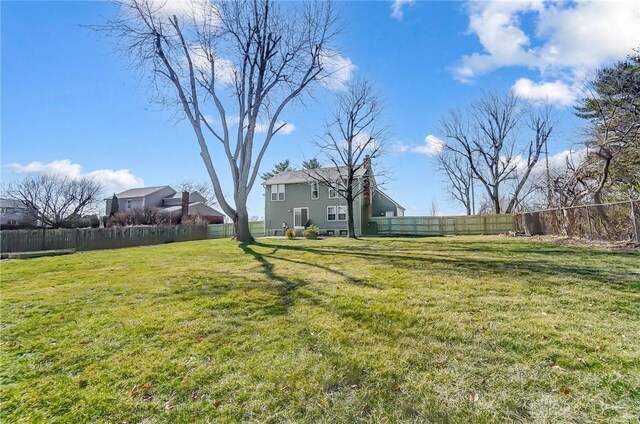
351 141
250 54
488 137
203 188
459 177
56 202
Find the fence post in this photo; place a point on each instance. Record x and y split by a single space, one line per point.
589 221
636 230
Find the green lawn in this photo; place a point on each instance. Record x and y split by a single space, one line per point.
455 329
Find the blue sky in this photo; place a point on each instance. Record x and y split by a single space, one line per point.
71 106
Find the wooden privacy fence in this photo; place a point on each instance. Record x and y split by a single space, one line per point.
97 238
444 225
226 230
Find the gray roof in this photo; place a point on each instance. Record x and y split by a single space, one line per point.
140 192
178 195
309 175
377 190
12 203
196 205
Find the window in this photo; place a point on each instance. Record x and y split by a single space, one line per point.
336 213
332 193
277 193
344 232
315 191
331 213
128 204
300 217
342 213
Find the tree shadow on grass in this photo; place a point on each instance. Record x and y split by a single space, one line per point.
287 286
455 261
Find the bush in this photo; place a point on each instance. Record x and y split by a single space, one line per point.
149 216
291 233
311 232
193 220
87 221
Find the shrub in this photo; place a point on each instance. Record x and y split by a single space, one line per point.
291 233
311 232
149 216
193 220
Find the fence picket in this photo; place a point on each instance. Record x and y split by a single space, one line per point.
444 225
96 238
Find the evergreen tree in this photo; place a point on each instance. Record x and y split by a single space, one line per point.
114 205
283 166
311 164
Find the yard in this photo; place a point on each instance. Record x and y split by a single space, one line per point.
454 329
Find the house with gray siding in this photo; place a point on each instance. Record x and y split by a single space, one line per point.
13 213
165 199
298 199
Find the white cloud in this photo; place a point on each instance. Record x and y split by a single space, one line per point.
288 128
362 141
113 181
225 71
261 127
199 11
432 146
398 6
338 71
557 92
567 41
557 162
399 146
58 168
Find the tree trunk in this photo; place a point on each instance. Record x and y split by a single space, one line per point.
241 226
496 204
350 220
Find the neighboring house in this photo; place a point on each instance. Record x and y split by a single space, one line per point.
165 199
14 213
295 199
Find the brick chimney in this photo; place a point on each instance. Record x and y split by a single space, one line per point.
185 203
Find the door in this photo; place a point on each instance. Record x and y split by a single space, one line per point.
300 217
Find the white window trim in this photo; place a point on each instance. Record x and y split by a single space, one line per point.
335 193
317 190
338 213
294 217
277 192
335 214
129 204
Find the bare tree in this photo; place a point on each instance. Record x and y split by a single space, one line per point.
433 210
245 53
351 141
56 202
459 177
203 188
487 137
